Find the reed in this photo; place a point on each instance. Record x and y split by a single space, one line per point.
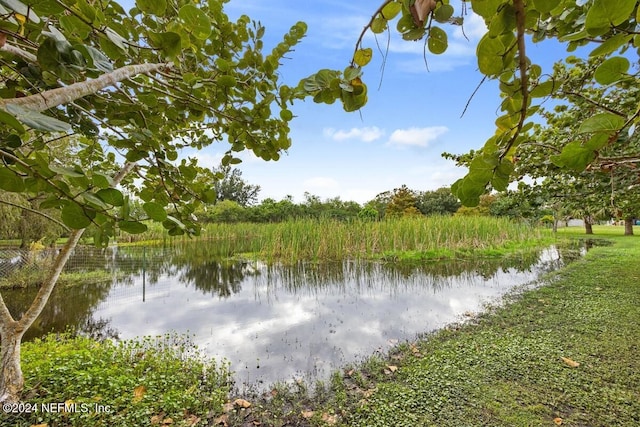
327 240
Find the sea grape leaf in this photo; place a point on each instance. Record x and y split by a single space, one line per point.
606 13
363 56
574 156
489 52
74 216
437 42
153 7
111 196
391 10
155 211
603 122
36 120
612 70
132 227
196 21
9 181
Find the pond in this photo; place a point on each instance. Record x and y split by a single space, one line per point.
276 323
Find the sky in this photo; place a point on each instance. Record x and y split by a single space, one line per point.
413 114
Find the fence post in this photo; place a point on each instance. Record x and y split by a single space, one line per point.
144 273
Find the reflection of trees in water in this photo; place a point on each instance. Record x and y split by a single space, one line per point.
221 278
313 277
197 265
67 308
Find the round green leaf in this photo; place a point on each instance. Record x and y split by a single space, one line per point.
196 21
542 89
363 56
489 53
74 216
611 45
443 13
606 13
603 122
111 196
379 24
574 156
612 70
132 227
437 41
8 119
286 115
544 6
391 10
170 43
227 81
9 181
155 211
153 7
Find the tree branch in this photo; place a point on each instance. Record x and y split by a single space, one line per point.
67 94
594 103
524 77
34 211
14 50
49 284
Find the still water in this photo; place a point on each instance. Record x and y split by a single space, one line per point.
277 323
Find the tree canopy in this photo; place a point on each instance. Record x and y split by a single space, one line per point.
608 29
127 90
133 88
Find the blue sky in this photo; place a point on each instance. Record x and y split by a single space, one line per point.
398 137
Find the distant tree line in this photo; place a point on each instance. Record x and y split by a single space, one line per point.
237 201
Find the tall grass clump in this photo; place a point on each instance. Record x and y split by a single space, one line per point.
409 237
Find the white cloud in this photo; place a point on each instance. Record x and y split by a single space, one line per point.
321 183
366 134
340 32
472 29
417 137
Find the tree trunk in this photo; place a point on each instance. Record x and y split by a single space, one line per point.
628 226
588 228
11 379
11 331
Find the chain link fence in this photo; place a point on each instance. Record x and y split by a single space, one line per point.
28 267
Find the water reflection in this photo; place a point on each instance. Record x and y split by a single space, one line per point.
275 323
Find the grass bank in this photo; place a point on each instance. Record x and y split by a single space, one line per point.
567 353
155 381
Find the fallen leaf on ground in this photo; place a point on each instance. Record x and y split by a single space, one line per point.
307 414
192 420
242 403
221 421
557 421
329 419
368 393
570 362
138 393
391 369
